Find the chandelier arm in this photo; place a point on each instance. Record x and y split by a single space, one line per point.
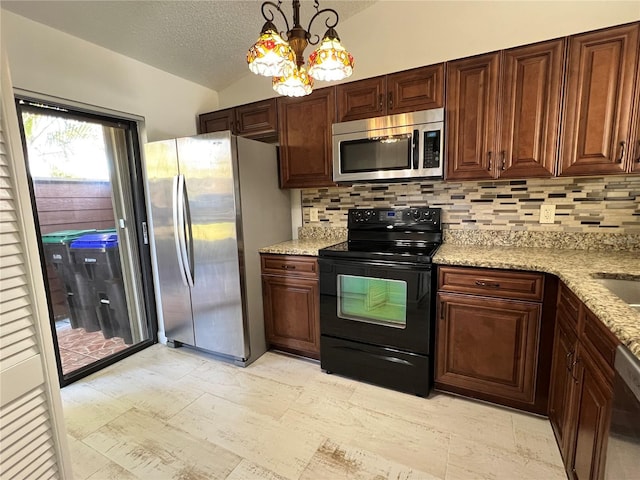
268 13
314 39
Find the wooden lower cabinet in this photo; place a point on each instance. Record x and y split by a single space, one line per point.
592 407
565 344
581 388
291 294
489 347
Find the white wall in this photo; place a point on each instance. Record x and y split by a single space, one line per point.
396 35
51 62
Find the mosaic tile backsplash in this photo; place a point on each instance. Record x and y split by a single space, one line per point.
585 204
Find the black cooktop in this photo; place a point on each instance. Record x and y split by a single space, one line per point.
411 234
375 251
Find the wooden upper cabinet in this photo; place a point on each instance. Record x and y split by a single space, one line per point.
304 127
471 111
361 99
402 92
417 89
530 110
257 120
217 121
598 104
635 137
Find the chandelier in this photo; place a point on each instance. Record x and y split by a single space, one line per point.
272 56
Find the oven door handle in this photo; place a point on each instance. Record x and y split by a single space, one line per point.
376 355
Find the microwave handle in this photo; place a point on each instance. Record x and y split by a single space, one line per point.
416 149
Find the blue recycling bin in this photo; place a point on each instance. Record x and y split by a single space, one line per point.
80 299
96 257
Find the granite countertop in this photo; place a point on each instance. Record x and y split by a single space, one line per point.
612 256
303 246
576 268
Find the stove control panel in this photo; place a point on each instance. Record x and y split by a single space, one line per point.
394 216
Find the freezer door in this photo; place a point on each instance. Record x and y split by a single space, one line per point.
207 163
161 164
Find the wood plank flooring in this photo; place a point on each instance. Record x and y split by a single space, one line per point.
180 414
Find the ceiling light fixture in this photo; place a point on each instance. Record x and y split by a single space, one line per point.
272 56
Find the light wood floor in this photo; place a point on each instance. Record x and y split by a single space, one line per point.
179 414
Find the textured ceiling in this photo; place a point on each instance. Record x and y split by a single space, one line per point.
202 41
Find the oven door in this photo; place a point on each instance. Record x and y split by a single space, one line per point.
383 304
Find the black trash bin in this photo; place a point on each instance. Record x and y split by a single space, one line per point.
96 257
80 298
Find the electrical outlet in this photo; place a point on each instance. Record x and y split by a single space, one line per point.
313 214
547 213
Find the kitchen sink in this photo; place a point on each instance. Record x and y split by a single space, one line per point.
627 290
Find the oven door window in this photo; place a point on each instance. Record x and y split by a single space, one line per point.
373 154
372 300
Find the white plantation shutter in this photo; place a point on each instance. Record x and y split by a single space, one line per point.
32 441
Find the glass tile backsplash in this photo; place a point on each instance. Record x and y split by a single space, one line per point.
583 204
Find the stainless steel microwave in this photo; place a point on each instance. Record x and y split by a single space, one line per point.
394 147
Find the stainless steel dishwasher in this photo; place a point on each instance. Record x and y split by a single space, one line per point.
623 449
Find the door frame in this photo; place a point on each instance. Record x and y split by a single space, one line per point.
135 138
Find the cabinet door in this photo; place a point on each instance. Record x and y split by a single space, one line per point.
635 137
530 106
471 110
361 99
291 313
257 120
417 89
217 121
562 381
487 348
593 410
304 128
599 93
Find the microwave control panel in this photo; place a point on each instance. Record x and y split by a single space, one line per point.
431 142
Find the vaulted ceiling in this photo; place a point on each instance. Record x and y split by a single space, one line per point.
202 41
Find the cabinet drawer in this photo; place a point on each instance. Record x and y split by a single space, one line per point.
492 283
600 341
290 265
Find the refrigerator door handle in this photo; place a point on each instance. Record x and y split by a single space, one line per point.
184 236
177 227
188 236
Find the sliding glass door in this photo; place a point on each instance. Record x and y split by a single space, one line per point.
88 198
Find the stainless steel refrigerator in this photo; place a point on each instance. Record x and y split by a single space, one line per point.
214 201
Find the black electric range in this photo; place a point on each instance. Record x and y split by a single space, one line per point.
377 298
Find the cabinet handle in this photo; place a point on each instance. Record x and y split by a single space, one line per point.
490 160
619 159
638 159
390 100
288 267
575 362
381 100
568 361
481 283
504 163
237 126
441 310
